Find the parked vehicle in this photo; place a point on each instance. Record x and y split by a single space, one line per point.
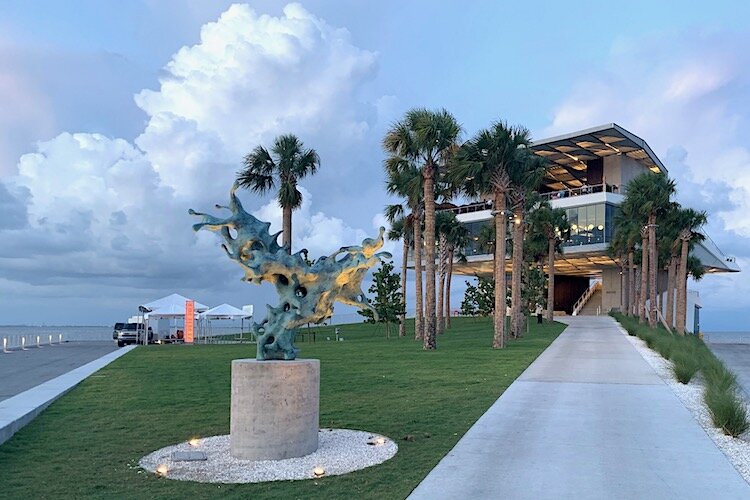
131 333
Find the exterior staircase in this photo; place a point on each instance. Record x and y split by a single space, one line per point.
593 306
590 303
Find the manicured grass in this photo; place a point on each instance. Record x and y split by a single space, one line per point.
690 355
88 443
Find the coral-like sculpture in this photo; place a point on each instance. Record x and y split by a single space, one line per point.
307 290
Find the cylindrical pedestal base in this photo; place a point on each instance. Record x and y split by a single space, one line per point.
275 408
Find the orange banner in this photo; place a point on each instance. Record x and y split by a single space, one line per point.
189 320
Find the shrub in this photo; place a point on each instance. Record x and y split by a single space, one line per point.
687 362
728 410
717 376
664 344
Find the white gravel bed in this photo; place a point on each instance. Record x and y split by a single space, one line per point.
737 450
339 451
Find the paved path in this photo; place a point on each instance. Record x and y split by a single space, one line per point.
22 370
737 359
588 419
19 410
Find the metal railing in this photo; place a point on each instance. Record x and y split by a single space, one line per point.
581 302
23 342
478 206
568 193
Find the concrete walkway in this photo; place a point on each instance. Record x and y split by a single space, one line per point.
22 370
588 419
19 410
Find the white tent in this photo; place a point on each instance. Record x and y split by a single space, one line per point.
166 312
225 311
171 306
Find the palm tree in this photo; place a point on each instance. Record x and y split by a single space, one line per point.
482 170
691 221
643 293
443 220
405 180
551 224
649 196
525 175
458 238
401 230
428 139
669 245
624 240
286 163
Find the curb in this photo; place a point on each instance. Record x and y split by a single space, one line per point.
22 408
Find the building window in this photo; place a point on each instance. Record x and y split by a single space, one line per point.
590 224
481 238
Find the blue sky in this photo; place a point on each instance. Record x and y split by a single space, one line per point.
118 116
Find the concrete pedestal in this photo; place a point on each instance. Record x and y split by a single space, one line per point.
275 408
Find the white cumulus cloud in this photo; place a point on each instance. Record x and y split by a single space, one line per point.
108 212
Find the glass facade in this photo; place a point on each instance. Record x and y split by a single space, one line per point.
590 224
481 238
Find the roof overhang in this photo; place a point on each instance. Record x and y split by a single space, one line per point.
568 153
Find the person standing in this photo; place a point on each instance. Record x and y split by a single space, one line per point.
538 311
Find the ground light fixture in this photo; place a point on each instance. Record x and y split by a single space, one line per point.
162 470
378 441
319 471
194 442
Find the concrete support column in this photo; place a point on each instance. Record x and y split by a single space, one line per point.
611 289
275 408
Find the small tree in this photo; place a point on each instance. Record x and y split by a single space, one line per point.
479 300
388 301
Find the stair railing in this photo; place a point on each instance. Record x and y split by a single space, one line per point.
585 297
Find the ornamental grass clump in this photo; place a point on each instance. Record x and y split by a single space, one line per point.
686 363
664 345
728 410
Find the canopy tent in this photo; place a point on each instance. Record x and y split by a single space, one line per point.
224 311
171 306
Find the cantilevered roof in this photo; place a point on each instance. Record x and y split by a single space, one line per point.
568 153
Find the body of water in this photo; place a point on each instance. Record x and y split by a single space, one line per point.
727 337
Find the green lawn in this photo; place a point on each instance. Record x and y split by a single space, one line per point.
88 443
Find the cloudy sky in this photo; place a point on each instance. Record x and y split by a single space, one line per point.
116 117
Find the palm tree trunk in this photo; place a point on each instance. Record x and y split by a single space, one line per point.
682 287
653 261
430 342
644 279
637 303
515 298
498 339
443 256
671 272
418 313
550 278
405 257
448 289
631 282
623 284
286 237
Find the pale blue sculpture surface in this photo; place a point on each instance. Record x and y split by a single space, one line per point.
307 291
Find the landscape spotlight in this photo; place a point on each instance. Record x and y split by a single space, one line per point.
194 442
162 469
319 471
